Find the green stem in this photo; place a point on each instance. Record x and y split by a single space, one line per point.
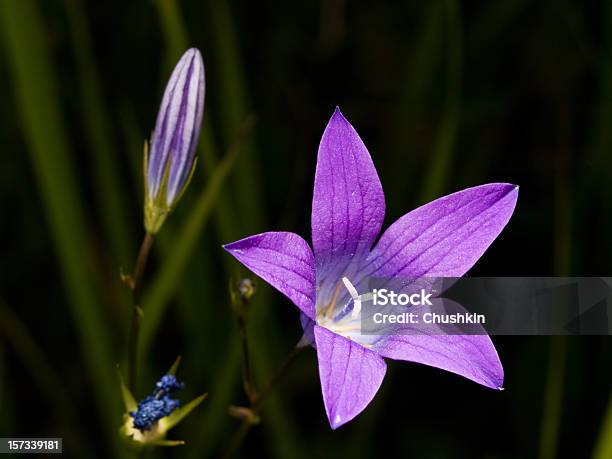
247 375
240 295
136 286
257 401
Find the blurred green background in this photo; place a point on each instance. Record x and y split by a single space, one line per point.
446 94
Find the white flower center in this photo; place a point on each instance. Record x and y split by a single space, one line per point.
342 322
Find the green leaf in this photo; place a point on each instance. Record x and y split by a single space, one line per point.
36 97
96 120
444 146
165 283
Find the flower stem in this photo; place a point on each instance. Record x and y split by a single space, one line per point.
256 403
241 294
247 375
276 377
136 286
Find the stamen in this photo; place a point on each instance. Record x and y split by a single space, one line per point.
355 295
329 309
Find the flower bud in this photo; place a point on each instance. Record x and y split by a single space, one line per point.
170 159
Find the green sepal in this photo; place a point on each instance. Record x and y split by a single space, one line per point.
156 210
167 443
129 402
174 368
177 416
187 182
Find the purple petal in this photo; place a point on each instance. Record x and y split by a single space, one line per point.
285 261
308 326
471 356
348 204
445 237
350 375
185 139
177 128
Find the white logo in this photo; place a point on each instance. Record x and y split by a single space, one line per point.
383 297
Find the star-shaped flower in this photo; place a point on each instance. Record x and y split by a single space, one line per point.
441 239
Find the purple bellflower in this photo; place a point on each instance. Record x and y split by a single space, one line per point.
170 159
444 238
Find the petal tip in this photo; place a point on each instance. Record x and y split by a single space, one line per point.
336 422
338 115
193 52
497 380
510 187
231 247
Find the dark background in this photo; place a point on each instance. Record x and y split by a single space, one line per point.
445 94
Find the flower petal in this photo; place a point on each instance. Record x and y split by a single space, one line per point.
285 261
348 204
445 237
471 356
308 327
350 375
177 127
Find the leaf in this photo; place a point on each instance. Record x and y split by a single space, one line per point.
164 285
36 97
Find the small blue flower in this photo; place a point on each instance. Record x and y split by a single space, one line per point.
147 423
157 405
169 383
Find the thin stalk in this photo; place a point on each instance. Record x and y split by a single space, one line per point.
235 210
241 294
277 376
257 401
136 286
247 375
166 282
